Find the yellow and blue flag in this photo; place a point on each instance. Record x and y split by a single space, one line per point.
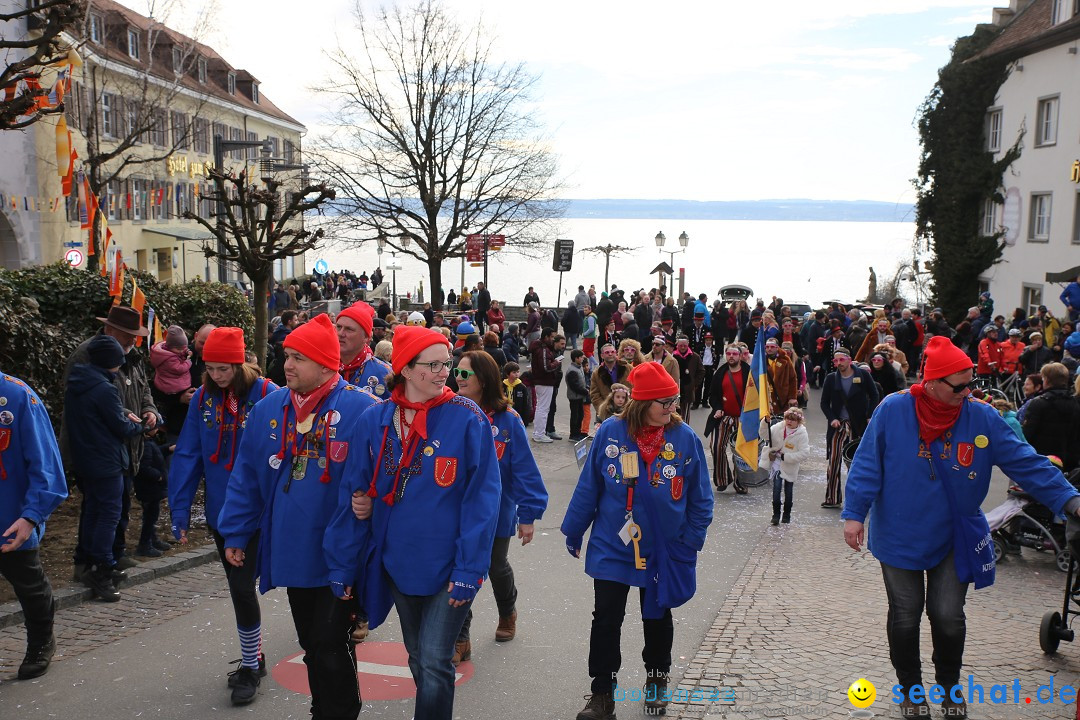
757 393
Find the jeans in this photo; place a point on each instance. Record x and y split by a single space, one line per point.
83 555
778 484
503 588
544 398
429 627
22 568
323 624
99 520
571 341
577 416
245 600
943 598
605 657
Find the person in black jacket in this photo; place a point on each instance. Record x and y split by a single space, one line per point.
571 324
749 335
98 428
151 487
1052 420
884 374
483 304
848 399
577 392
726 394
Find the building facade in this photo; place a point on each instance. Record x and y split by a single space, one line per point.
1039 105
143 110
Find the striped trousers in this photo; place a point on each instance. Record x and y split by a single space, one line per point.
834 493
724 464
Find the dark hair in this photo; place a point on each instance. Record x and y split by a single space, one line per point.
634 414
287 316
509 368
1036 379
546 333
492 399
575 354
244 376
471 342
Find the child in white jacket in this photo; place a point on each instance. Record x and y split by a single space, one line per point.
790 446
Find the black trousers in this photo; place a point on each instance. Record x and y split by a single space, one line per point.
577 416
703 391
605 656
245 600
22 568
551 411
120 541
323 624
503 588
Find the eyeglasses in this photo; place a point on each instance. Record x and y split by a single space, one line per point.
461 373
437 367
960 388
667 403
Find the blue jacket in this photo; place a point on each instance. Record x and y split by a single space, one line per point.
524 497
32 484
700 307
195 448
682 499
371 377
442 525
291 514
911 525
1070 296
97 423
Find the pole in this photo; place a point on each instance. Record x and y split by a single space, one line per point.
219 162
462 272
485 259
558 298
607 264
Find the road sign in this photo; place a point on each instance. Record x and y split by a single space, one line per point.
382 669
321 267
563 259
496 242
476 246
74 257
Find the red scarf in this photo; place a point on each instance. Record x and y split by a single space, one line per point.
304 405
682 355
357 362
417 430
935 417
650 441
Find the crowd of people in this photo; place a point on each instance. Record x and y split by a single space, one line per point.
423 415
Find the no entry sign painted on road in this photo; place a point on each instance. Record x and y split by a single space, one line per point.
381 667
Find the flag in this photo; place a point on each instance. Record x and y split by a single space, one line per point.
84 202
63 148
116 280
138 302
754 403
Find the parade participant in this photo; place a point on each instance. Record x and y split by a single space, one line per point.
788 447
630 352
359 366
1070 298
726 400
206 451
427 462
921 472
783 380
660 354
284 487
690 374
848 399
645 492
32 486
710 358
524 497
615 403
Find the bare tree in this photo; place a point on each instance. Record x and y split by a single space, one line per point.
434 140
258 228
609 250
24 59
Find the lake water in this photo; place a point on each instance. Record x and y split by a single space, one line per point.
798 261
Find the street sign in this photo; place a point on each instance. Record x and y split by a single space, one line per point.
73 257
476 246
321 267
563 259
496 242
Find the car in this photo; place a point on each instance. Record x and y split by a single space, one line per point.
799 308
735 292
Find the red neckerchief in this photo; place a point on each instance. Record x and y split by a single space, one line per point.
935 417
357 362
304 405
650 441
417 430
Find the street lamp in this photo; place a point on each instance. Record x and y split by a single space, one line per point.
684 240
222 146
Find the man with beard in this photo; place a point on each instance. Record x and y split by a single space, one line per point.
359 366
661 355
546 356
725 400
848 399
611 370
783 382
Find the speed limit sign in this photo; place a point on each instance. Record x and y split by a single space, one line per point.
73 257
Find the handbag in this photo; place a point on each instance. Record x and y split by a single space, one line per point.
672 580
973 548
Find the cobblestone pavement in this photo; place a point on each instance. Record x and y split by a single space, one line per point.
794 633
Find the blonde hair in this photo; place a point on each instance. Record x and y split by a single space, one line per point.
384 349
885 349
1002 405
796 413
630 342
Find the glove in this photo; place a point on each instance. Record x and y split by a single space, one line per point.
573 546
463 592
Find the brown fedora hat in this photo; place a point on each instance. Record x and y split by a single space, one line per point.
125 319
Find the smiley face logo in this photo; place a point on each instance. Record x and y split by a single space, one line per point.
862 693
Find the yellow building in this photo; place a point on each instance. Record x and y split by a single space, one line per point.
147 103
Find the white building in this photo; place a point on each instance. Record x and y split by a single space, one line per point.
1040 100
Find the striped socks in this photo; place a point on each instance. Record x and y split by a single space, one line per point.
250 645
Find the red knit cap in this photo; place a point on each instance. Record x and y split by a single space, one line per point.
317 341
410 341
361 313
225 345
650 381
942 358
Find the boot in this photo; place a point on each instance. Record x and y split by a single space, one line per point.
81 569
101 582
787 513
655 694
37 660
162 545
775 513
601 706
507 628
147 550
360 632
462 652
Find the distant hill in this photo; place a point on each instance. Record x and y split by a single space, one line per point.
812 210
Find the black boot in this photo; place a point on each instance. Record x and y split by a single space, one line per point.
100 581
656 694
775 513
37 660
601 706
787 512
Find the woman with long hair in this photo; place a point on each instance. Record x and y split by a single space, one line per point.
524 497
644 489
206 450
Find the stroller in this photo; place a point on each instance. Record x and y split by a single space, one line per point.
1021 521
1055 625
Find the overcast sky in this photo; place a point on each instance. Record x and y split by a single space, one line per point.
702 100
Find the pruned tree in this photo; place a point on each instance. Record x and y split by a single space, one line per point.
23 101
609 250
434 140
257 226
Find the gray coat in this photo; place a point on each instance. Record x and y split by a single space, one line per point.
576 389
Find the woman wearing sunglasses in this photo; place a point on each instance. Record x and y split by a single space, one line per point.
429 477
645 492
524 497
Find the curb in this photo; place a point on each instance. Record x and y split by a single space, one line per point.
11 613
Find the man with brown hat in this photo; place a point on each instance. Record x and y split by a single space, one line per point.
124 324
921 472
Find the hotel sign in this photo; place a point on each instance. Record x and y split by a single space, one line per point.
179 165
1074 176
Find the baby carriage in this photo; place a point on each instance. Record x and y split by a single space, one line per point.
1055 625
1021 521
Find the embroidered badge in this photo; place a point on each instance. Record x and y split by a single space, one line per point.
677 488
445 471
965 453
500 448
5 438
339 450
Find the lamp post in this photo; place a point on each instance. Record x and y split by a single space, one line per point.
684 240
222 146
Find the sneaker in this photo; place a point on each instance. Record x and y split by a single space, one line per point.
462 652
831 506
554 435
37 660
654 694
601 706
148 551
162 545
261 672
910 709
245 683
542 439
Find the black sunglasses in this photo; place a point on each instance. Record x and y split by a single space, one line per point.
960 388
